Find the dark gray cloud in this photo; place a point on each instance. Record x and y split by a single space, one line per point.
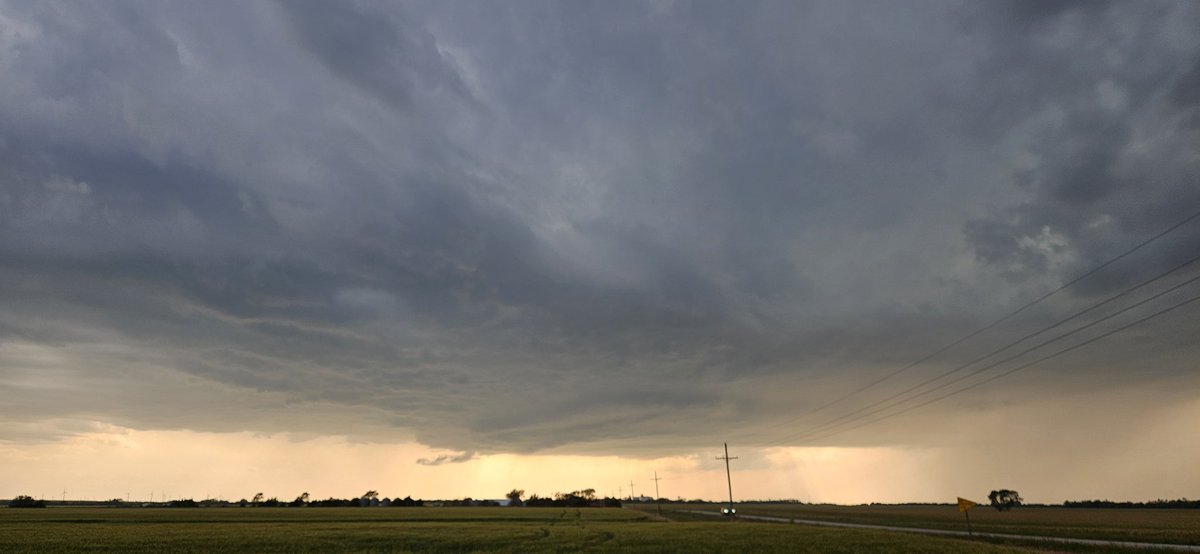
448 459
544 226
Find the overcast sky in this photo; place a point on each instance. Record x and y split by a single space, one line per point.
631 229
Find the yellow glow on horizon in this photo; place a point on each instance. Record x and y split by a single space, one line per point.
102 461
111 462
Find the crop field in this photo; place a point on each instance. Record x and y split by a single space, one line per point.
429 530
1133 525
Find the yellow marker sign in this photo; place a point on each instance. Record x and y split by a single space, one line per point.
964 504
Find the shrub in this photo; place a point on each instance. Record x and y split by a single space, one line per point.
26 501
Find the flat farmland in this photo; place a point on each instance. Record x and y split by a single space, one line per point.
1131 525
428 530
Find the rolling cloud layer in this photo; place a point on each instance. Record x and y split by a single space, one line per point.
585 226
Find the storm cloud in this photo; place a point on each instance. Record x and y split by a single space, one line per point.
571 227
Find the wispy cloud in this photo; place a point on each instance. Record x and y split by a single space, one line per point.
448 459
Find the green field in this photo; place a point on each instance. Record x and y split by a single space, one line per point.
1134 525
428 530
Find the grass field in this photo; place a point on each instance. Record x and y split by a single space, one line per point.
1156 526
427 530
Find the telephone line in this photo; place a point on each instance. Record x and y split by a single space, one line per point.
1026 365
996 322
834 422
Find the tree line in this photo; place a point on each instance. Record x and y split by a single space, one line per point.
1181 503
585 498
369 498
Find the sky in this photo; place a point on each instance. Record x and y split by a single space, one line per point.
446 249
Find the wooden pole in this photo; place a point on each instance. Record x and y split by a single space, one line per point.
728 479
656 493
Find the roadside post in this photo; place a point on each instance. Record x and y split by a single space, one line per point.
964 506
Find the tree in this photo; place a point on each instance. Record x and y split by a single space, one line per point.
25 501
514 497
1003 500
257 498
370 494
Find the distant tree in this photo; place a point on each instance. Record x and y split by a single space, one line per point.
406 502
300 500
1181 503
514 497
589 494
257 498
26 501
535 501
370 494
1003 500
574 499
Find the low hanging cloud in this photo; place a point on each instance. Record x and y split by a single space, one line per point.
448 459
614 227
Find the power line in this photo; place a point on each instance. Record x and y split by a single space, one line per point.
1005 360
996 322
1072 348
834 422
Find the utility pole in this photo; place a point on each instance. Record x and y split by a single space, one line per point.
656 495
631 490
728 479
